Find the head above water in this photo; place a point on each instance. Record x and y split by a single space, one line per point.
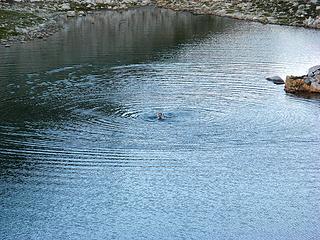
160 115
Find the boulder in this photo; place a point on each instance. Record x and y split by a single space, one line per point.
276 80
65 7
306 83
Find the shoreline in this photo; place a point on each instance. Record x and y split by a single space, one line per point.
26 21
281 12
39 20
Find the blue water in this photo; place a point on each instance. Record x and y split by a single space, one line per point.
82 155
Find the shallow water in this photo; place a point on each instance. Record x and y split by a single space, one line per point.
82 155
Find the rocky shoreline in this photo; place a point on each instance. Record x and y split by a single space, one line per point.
303 13
309 83
22 21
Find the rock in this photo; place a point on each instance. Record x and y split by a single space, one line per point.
316 23
315 86
71 14
21 30
309 21
7 45
295 84
307 83
276 80
307 80
81 13
65 7
314 71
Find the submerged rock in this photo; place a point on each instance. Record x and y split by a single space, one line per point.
276 80
306 83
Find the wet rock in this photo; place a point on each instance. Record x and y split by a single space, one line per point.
7 45
160 116
306 83
276 80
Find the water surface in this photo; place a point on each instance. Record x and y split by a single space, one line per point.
82 155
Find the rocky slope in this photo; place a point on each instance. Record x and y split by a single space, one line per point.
285 12
22 20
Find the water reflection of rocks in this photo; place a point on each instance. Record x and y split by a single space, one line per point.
139 30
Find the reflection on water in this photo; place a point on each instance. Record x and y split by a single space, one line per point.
83 156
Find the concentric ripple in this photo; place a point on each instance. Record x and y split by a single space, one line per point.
83 155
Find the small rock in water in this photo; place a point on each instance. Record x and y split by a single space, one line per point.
160 116
276 80
7 45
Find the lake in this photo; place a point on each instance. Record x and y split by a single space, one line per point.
83 156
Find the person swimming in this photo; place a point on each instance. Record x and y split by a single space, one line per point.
160 116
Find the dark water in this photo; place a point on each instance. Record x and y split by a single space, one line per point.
82 155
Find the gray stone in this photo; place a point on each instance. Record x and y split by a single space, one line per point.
65 7
276 80
21 30
309 22
71 14
308 80
316 22
314 71
81 13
